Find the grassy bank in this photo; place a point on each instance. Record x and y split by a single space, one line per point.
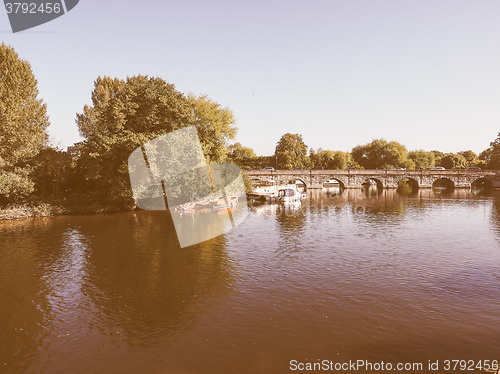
12 212
27 211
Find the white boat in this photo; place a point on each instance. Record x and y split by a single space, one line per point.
290 194
264 191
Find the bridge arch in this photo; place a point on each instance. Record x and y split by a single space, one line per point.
482 182
407 185
341 183
380 185
443 183
294 180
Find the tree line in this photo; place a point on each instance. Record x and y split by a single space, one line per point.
292 153
126 113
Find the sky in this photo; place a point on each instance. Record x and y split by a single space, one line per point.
424 73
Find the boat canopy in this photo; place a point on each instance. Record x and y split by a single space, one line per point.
286 192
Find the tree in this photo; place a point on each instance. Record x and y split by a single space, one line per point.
291 152
470 156
215 125
422 159
492 154
485 155
453 161
51 172
23 124
380 154
125 114
330 159
237 151
438 155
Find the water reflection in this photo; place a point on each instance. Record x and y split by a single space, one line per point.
380 277
107 282
495 214
366 206
371 190
407 187
24 253
156 284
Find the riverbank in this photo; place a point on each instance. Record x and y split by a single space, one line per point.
26 211
14 212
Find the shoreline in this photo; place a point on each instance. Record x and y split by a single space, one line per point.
25 211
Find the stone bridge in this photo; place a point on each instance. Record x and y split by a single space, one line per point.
384 178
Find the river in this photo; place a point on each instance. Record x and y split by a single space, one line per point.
356 276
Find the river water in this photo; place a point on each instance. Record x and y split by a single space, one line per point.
356 276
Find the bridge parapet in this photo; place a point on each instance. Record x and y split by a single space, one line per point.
386 178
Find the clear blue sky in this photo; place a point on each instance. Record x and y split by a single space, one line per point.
425 73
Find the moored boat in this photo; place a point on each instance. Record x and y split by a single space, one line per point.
264 191
290 194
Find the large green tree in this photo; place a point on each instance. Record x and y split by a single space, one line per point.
453 161
23 124
380 154
291 152
422 159
125 114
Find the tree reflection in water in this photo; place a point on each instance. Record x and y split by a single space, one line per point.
152 287
495 210
105 282
367 205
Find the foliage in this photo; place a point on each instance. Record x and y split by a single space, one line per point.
453 161
493 154
237 151
26 211
15 184
23 124
422 159
125 114
438 155
470 156
291 152
482 164
255 163
380 154
485 155
215 125
247 182
52 172
330 159
409 164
